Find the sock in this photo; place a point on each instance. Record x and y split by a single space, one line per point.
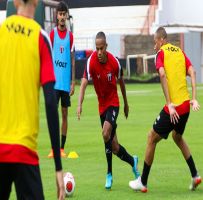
192 167
108 151
63 141
123 155
145 173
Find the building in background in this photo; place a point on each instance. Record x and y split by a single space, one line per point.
129 25
186 18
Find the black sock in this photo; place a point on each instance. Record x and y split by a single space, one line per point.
63 141
108 151
145 173
192 167
123 155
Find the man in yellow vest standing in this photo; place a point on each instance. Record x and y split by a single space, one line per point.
173 66
26 63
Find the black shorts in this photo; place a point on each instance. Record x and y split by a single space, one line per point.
163 125
110 115
65 98
26 178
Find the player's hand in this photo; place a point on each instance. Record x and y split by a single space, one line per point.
60 185
79 111
72 89
195 105
173 113
126 110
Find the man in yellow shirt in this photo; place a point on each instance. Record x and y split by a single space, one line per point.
26 63
173 66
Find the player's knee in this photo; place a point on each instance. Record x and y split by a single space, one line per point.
153 137
177 138
115 148
64 112
106 136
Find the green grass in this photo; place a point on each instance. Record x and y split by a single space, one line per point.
169 178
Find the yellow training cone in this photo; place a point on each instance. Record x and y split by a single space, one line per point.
73 154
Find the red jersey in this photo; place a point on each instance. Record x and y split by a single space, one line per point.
159 62
104 77
62 35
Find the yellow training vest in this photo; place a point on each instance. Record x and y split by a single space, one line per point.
19 81
175 69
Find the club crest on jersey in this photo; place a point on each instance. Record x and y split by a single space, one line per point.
61 49
109 76
98 76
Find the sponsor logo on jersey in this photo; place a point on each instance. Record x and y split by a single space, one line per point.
60 63
19 29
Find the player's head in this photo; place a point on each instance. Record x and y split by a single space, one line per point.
160 38
101 46
62 13
18 3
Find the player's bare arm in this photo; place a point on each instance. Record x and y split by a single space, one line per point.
83 86
173 114
60 185
194 103
73 73
123 91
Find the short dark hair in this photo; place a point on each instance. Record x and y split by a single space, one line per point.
101 35
62 6
161 32
25 1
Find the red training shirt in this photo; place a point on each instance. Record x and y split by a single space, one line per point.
104 77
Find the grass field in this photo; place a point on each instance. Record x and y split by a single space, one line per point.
169 178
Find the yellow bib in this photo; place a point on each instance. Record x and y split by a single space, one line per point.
174 65
19 81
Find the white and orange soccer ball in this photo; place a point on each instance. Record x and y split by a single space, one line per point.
69 183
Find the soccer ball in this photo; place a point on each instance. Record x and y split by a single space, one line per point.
69 183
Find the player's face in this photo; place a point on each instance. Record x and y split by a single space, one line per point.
62 16
101 50
158 42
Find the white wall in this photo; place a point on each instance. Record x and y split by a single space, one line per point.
2 16
181 12
193 49
201 58
111 20
184 16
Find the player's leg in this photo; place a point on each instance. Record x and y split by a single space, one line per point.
64 127
65 103
121 152
161 129
141 182
182 145
118 149
7 172
153 139
106 132
28 182
107 137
